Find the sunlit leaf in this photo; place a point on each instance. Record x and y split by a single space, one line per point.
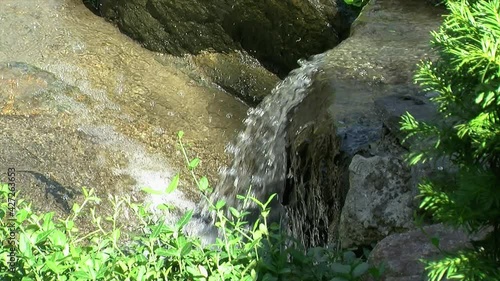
173 185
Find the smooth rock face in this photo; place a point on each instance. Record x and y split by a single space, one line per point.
238 74
401 252
379 200
278 33
379 59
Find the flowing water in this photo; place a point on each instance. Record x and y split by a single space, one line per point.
130 104
258 153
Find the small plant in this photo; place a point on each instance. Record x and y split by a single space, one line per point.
45 249
465 79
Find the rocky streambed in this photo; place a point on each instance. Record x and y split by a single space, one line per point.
81 104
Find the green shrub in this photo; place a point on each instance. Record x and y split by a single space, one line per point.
46 249
466 82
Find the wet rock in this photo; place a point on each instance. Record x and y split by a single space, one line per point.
278 33
379 58
238 74
56 145
40 140
401 253
391 108
379 201
387 41
314 187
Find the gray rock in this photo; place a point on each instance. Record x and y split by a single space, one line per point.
391 108
401 253
379 201
378 60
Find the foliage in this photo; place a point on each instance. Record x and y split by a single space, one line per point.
357 3
465 80
46 249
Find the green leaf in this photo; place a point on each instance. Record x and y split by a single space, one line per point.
75 208
341 268
220 204
116 234
41 237
435 241
57 269
203 184
349 256
186 249
166 252
152 191
21 215
58 238
25 245
234 212
194 163
193 271
203 271
360 269
269 277
157 230
81 275
47 221
184 220
180 134
140 274
173 184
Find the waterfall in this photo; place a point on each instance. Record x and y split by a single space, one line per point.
258 153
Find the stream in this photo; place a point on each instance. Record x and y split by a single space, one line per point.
117 126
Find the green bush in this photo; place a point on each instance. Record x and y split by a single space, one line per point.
465 80
45 249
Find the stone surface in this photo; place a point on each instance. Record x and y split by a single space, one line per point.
377 60
401 253
379 201
278 33
238 74
391 108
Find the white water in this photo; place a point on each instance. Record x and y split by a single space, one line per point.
258 153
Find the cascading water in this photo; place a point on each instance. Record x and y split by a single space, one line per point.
259 156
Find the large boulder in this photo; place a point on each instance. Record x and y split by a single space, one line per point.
379 201
401 253
377 60
278 33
